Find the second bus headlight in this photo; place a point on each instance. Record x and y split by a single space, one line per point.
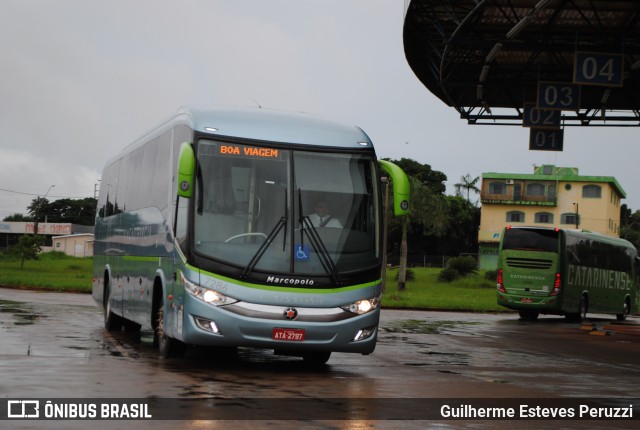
363 306
206 295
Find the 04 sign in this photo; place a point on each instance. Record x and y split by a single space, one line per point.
546 140
597 68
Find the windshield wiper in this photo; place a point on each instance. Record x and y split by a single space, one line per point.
263 248
282 222
318 245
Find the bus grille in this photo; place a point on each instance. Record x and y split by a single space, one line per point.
529 263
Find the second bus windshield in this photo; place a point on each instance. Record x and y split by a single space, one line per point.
286 211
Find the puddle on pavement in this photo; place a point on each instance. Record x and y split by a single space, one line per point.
429 327
23 315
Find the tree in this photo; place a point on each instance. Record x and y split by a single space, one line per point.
74 211
462 229
630 225
427 210
432 179
28 247
402 269
467 183
18 218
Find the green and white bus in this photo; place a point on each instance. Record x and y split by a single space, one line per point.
203 233
566 272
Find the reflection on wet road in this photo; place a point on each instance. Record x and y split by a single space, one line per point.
53 345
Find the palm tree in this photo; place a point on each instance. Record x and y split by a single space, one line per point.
467 183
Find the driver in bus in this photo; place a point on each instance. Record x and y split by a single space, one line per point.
321 216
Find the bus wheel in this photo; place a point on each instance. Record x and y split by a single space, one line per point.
112 322
625 311
167 346
528 315
584 307
316 358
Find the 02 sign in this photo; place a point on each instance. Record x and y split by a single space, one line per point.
540 118
546 140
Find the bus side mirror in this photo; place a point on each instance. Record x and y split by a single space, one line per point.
186 170
400 183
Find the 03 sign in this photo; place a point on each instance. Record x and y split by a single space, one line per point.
558 95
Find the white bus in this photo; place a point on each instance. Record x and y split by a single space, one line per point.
204 233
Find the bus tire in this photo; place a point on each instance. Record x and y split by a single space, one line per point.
112 322
625 311
584 308
528 315
167 346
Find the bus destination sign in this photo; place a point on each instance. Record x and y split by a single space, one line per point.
247 151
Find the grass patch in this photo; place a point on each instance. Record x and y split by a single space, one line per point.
56 271
51 271
473 292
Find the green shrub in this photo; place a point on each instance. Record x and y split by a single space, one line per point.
491 275
463 265
448 274
410 275
54 255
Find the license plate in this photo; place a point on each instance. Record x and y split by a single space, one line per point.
526 300
288 334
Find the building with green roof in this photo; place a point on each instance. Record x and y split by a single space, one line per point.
551 196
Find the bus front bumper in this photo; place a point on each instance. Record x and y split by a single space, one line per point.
280 327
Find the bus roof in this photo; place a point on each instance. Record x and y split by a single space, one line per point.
265 125
579 233
276 126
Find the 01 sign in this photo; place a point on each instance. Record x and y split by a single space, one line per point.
546 140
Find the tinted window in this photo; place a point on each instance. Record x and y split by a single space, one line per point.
530 240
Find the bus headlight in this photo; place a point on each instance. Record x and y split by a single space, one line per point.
363 306
206 295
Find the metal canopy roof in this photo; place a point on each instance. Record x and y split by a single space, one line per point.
485 58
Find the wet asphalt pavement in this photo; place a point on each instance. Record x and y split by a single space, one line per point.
54 346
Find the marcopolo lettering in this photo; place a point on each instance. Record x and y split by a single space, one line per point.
289 281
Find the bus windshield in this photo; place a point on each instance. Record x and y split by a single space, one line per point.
524 239
285 211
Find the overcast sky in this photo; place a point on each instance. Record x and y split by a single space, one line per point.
81 79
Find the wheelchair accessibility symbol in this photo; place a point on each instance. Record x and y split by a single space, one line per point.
302 252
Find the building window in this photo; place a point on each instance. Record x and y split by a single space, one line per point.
497 188
544 218
535 189
570 218
591 191
552 193
515 216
